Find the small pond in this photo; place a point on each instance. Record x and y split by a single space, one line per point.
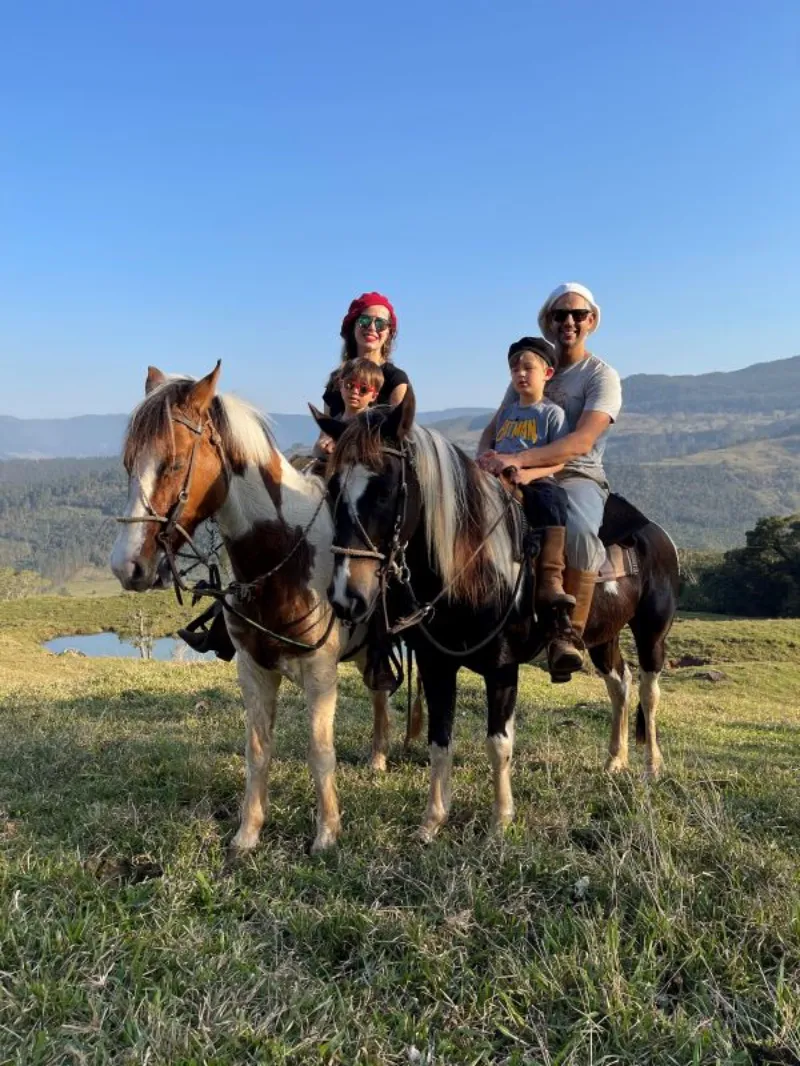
109 645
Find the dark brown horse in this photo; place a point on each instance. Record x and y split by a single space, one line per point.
423 535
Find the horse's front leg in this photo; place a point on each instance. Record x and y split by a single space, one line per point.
501 694
380 730
260 693
319 682
439 682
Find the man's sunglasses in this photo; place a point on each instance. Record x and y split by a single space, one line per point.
577 316
358 388
365 321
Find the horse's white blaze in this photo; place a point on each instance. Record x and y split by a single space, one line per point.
355 486
341 577
128 545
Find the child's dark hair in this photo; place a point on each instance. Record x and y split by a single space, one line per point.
363 370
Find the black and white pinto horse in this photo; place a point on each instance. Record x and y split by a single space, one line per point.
192 455
418 523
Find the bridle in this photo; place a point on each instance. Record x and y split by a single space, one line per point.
171 522
393 566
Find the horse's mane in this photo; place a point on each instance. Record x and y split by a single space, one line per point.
462 506
243 431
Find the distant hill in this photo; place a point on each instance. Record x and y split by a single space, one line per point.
101 435
762 387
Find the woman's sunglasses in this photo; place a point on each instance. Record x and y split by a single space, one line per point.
365 321
358 388
577 316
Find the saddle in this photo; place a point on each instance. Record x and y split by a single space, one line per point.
309 465
621 522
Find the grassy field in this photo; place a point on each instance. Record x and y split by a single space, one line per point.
615 922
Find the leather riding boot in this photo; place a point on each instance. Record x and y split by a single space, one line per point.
549 585
216 638
564 653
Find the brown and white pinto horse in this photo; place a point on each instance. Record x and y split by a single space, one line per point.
187 447
418 523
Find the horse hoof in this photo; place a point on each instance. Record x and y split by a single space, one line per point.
234 857
616 765
426 834
324 841
652 772
378 763
501 822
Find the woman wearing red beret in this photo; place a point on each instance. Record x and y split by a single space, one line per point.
368 330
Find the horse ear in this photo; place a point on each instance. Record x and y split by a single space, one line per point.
203 392
155 377
399 422
332 426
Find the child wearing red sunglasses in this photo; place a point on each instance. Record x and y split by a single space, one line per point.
360 381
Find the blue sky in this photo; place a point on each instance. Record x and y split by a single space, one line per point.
187 181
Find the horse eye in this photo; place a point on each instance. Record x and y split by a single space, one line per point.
177 466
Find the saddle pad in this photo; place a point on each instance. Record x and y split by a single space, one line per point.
619 562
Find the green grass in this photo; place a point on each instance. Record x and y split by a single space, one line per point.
122 942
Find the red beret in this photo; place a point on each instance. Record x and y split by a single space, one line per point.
361 303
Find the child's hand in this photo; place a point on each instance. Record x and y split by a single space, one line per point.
326 444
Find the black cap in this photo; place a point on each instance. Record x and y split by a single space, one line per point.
537 345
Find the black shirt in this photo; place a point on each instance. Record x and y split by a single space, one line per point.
392 377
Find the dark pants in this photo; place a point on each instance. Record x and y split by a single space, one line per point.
544 503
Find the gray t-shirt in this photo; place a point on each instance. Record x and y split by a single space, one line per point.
590 385
522 426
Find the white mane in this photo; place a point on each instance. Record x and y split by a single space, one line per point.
444 486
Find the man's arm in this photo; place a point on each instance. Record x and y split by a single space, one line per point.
580 442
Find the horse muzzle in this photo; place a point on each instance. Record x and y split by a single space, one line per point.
136 575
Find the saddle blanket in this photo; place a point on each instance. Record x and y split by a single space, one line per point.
619 562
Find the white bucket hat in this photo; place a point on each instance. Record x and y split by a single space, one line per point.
562 290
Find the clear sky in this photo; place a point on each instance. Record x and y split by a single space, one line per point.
182 181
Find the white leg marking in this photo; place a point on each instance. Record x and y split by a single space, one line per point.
619 692
439 794
380 730
649 697
260 692
500 750
611 587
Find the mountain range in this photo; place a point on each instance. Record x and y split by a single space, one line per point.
706 455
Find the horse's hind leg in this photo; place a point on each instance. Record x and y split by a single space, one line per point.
380 730
501 693
439 682
650 626
260 692
617 676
